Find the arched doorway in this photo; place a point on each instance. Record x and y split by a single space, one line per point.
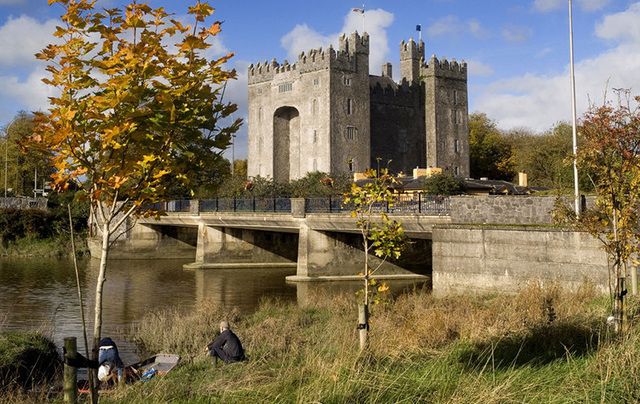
286 130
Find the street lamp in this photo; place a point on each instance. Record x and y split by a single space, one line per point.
573 114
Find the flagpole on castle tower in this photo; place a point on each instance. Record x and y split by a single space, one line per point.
360 11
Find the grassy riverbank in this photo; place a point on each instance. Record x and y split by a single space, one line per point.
54 246
538 346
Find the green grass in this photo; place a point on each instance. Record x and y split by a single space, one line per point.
464 349
58 246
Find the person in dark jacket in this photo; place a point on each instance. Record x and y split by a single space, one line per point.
226 346
109 361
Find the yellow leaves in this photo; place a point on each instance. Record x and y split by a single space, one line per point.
201 11
215 28
161 174
383 287
147 160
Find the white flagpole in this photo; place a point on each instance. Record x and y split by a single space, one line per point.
573 114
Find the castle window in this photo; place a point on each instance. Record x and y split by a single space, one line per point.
351 133
285 87
260 114
346 81
456 170
455 117
349 106
456 146
352 165
316 81
315 136
314 107
455 97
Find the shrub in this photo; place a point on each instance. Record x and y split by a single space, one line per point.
27 359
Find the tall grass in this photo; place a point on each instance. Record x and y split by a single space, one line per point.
541 345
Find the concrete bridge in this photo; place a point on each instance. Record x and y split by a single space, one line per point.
487 243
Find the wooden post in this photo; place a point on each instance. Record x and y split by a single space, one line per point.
70 382
363 325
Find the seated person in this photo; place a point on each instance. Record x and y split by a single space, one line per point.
226 346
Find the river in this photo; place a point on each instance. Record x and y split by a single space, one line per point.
40 294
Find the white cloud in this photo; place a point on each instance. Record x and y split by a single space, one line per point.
538 101
516 33
303 38
476 29
544 52
586 5
478 68
22 37
621 26
449 25
30 94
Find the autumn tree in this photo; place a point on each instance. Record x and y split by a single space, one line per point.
610 151
137 109
381 236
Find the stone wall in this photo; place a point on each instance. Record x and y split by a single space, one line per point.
490 258
502 209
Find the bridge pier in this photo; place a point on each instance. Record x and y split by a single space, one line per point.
220 247
326 255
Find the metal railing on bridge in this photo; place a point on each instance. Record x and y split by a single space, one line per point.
282 205
405 203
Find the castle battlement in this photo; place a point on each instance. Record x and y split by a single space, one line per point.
315 59
411 50
446 68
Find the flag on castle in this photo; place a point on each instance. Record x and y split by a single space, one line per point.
419 28
358 10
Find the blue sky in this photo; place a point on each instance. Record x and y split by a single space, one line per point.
517 50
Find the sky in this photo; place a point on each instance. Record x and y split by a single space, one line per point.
517 50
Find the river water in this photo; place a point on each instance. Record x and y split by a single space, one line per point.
40 294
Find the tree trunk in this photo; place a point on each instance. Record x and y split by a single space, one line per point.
97 324
363 325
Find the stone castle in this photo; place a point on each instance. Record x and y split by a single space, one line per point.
327 113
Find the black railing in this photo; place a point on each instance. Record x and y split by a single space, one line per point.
427 205
280 205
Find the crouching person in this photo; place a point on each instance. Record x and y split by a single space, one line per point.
110 366
226 346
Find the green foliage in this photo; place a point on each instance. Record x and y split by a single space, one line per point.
489 152
23 164
443 184
547 158
26 359
380 235
313 185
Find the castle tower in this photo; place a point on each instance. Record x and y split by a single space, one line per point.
446 115
350 105
312 115
411 58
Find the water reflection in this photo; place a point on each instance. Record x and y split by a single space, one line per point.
40 294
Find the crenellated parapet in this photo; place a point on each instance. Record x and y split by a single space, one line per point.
344 58
404 94
445 68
